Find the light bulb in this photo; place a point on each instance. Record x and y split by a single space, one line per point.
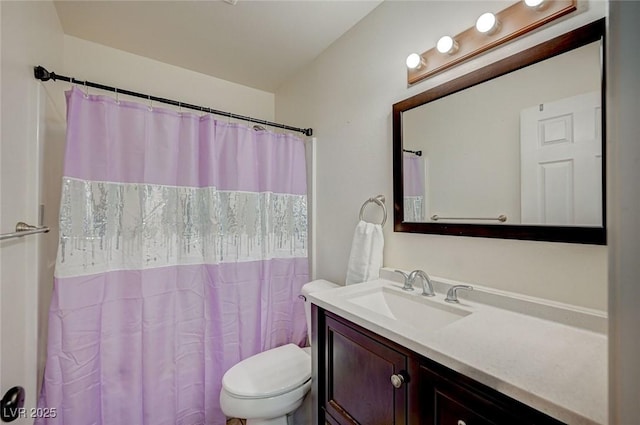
447 44
533 3
486 23
414 61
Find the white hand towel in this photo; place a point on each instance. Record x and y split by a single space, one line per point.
365 258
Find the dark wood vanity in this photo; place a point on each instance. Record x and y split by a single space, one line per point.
362 378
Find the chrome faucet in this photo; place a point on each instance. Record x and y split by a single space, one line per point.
408 280
427 287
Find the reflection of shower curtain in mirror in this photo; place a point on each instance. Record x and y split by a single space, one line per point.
183 248
414 185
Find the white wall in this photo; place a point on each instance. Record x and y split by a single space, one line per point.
623 128
85 60
31 33
346 96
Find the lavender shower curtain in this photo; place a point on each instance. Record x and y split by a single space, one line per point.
182 251
413 169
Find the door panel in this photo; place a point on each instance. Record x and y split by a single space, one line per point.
561 162
557 186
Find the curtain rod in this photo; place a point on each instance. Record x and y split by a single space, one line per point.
417 153
42 74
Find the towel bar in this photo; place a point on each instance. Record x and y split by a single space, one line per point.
377 200
24 229
501 218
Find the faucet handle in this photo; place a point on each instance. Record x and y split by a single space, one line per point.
408 280
452 293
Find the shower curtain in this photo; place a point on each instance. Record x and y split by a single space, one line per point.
413 178
183 248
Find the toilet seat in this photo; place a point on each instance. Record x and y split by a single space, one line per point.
269 374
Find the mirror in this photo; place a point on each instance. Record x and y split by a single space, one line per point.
512 150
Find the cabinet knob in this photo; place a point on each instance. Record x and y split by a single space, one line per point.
397 380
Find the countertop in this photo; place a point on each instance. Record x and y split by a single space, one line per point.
556 366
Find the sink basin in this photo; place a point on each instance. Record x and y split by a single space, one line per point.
410 309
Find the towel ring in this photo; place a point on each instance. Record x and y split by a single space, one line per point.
377 200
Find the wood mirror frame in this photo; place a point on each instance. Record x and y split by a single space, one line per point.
574 234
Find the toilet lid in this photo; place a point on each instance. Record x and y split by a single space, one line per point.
270 373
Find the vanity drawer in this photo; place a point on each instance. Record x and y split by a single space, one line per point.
449 398
449 411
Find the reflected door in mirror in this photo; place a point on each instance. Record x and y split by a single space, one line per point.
561 162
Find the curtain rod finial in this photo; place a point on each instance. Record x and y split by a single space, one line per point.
41 73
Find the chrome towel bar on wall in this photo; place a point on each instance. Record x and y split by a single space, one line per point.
24 229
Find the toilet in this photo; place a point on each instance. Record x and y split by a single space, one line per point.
267 387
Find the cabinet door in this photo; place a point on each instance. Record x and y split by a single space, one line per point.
358 373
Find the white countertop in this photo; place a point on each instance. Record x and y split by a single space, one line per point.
555 367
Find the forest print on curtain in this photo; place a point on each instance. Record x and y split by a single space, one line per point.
183 248
413 181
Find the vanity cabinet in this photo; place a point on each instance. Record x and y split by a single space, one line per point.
363 378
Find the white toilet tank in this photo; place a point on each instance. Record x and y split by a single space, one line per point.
308 288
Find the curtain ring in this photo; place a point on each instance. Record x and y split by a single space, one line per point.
150 102
117 99
86 90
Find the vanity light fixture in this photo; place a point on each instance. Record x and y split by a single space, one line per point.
415 61
487 23
447 45
512 22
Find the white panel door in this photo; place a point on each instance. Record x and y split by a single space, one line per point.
561 162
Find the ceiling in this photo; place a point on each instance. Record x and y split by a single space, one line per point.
257 43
